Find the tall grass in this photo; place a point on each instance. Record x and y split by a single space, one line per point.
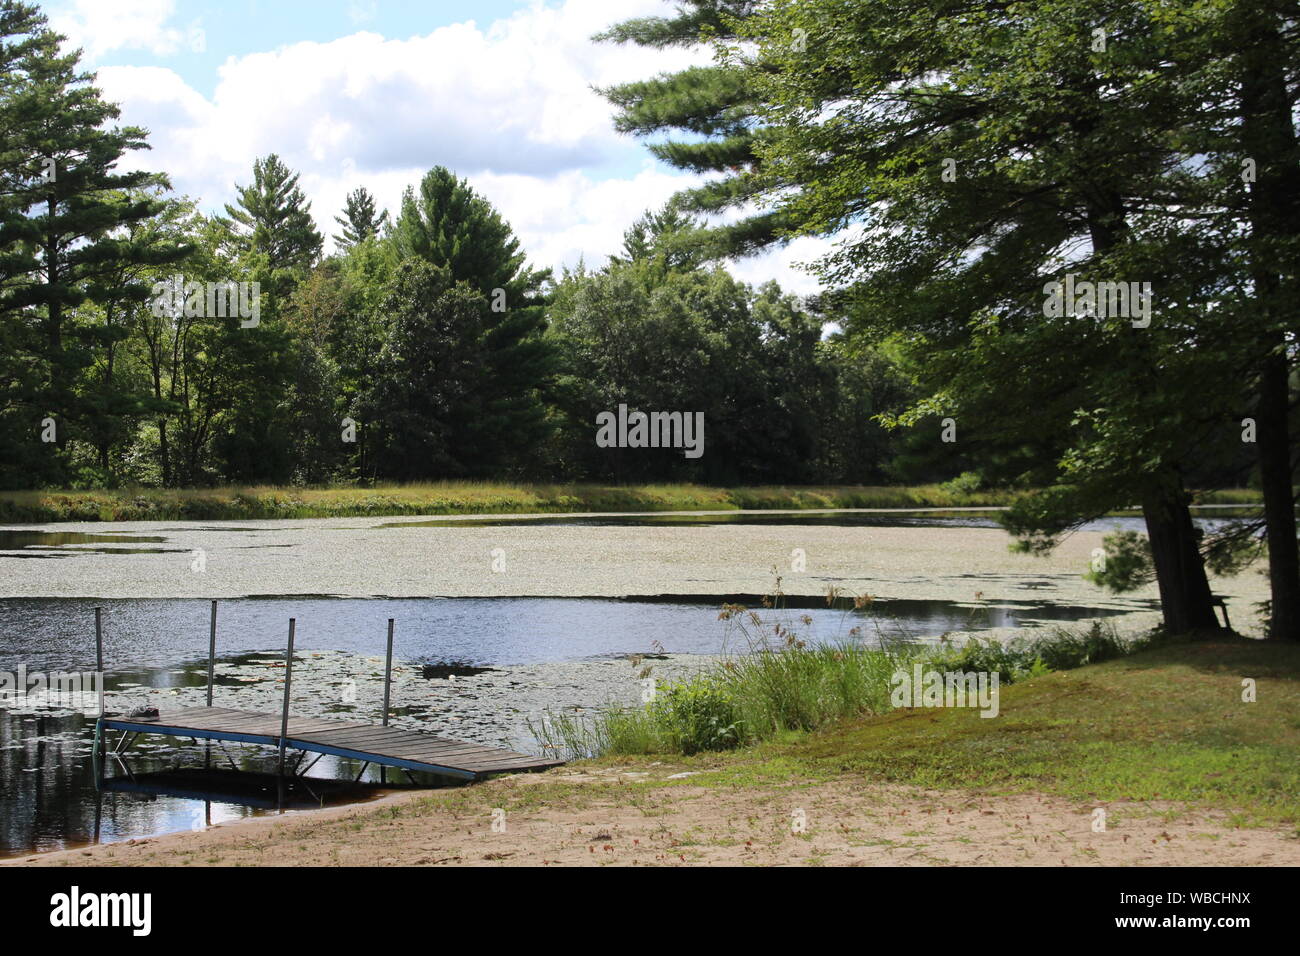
451 498
778 681
480 498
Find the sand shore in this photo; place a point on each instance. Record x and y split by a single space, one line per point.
657 816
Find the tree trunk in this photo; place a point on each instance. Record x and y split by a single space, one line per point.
1185 597
1273 440
1268 137
164 455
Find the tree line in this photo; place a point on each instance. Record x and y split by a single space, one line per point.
418 346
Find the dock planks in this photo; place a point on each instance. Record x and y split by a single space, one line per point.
387 746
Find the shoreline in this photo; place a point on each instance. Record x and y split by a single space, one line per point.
892 789
583 816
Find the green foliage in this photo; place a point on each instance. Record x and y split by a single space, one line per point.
980 156
72 240
360 220
967 483
1126 564
132 503
272 216
782 684
712 118
658 333
422 410
448 225
696 715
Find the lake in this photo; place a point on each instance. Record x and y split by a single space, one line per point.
589 593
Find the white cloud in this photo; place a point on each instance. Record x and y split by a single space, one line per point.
510 106
785 264
574 217
99 27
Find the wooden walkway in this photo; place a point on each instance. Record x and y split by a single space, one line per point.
386 746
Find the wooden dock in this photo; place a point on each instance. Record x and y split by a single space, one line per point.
408 750
370 743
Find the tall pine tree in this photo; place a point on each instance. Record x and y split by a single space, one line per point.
709 114
67 234
360 219
273 217
450 226
981 155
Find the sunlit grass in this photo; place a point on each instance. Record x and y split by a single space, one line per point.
479 498
451 498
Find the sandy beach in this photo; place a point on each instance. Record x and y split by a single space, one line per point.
656 816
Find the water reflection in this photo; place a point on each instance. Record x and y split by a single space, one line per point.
22 543
51 801
156 641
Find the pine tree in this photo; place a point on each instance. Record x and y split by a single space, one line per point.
713 112
421 411
359 219
982 154
450 226
663 237
67 236
19 376
273 217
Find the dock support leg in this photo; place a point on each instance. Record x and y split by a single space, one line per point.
388 683
99 656
288 683
212 663
212 649
98 754
230 759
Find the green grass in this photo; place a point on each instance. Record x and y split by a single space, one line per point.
485 498
454 498
781 684
1164 724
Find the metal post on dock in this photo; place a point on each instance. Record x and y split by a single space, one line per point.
212 663
212 650
98 753
99 656
288 681
388 683
388 671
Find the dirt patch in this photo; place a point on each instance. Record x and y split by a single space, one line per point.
660 818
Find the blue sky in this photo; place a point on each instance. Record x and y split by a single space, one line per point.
375 92
239 27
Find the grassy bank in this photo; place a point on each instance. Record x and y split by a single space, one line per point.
1163 724
781 683
486 498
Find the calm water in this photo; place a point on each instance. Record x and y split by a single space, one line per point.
150 638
